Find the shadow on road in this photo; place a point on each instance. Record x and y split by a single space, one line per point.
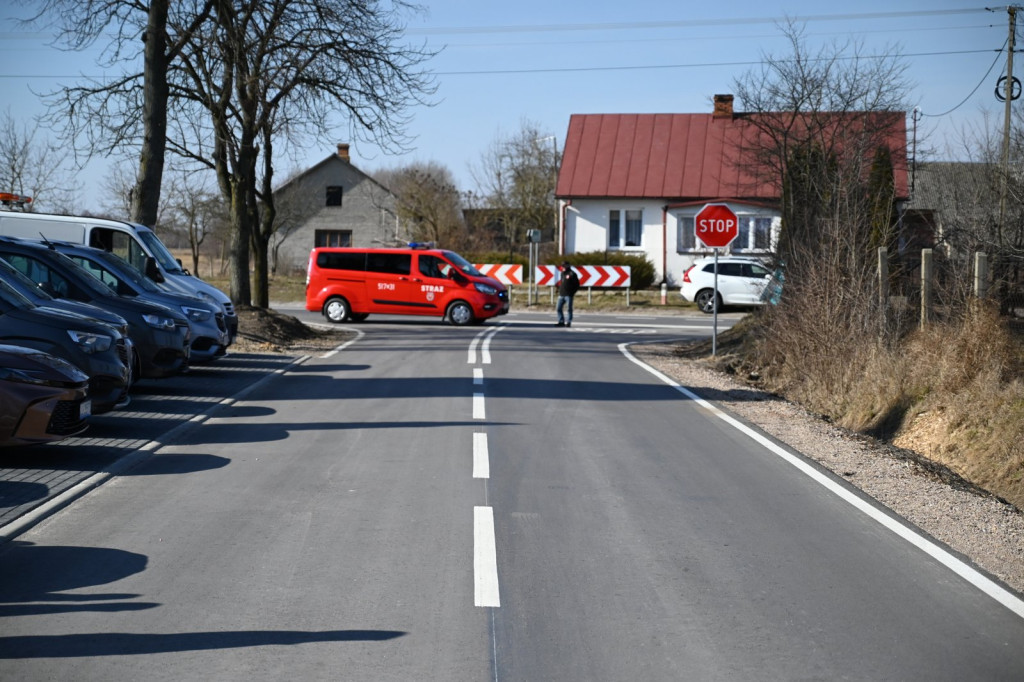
126 644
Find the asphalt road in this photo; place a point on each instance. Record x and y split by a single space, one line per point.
507 502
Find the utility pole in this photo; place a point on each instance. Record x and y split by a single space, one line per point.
1008 97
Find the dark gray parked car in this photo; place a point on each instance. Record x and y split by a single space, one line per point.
206 321
161 335
97 349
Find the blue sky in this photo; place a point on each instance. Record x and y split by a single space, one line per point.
505 63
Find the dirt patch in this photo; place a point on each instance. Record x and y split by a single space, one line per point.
261 330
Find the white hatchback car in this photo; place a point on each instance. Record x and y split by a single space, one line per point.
741 281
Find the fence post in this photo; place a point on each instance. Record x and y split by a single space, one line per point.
926 286
980 275
883 276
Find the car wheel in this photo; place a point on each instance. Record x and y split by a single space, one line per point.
336 309
459 313
706 301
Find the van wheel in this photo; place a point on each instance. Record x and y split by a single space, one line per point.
336 309
459 313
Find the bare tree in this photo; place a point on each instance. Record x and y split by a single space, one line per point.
32 166
517 178
256 72
828 129
283 67
131 109
428 202
822 128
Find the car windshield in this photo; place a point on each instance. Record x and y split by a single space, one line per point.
19 281
12 297
94 287
117 268
160 252
461 263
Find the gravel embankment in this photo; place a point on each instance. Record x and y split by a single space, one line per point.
978 526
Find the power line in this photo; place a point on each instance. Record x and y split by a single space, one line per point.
496 72
983 79
583 69
730 21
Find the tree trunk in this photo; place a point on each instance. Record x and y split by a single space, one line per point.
146 194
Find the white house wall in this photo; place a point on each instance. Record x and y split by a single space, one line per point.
586 223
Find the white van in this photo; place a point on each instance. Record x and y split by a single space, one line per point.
136 243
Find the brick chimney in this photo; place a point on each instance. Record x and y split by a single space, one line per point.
723 106
343 152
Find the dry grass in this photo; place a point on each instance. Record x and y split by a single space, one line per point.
953 393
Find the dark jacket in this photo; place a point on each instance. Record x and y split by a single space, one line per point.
568 283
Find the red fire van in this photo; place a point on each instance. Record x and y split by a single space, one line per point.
352 283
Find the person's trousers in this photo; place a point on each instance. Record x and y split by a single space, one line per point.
562 300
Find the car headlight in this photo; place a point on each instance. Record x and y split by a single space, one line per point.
90 342
22 376
159 321
196 314
485 288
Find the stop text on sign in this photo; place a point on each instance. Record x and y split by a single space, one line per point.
716 225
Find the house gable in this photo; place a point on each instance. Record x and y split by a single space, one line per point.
331 200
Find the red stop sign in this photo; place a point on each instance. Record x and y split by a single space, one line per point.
716 225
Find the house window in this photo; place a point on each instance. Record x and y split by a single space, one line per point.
334 195
332 238
625 229
687 238
755 234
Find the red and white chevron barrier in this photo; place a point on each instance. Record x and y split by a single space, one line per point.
506 274
607 276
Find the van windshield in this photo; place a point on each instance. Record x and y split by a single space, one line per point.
462 264
160 252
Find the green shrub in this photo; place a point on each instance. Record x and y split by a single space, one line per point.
497 258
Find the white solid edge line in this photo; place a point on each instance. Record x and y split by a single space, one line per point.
481 458
334 351
485 558
958 566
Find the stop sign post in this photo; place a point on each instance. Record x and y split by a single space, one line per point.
716 226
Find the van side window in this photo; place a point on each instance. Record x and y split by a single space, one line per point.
119 244
389 263
432 266
334 260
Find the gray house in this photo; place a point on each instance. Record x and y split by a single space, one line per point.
331 204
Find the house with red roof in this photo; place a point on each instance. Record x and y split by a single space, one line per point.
634 182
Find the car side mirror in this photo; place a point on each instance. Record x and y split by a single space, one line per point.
152 271
48 288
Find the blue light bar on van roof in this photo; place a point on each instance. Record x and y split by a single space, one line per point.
421 245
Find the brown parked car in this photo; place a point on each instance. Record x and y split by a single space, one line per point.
42 397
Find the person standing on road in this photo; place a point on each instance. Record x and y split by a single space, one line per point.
568 285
